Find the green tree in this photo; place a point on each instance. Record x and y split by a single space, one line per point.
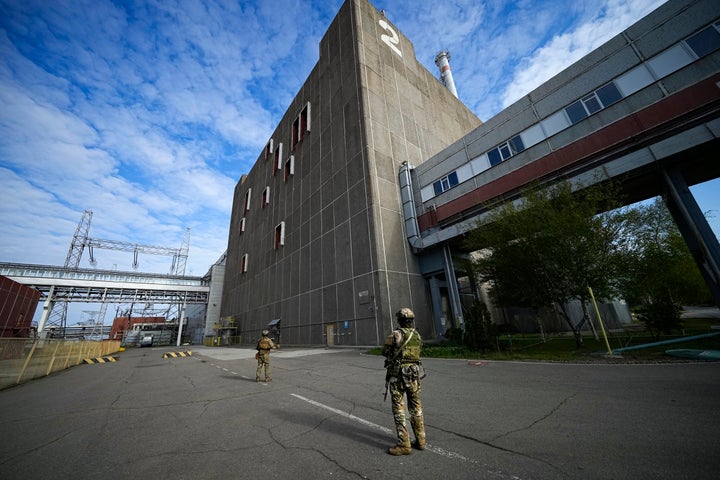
657 272
547 248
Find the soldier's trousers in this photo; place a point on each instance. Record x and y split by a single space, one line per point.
263 363
399 389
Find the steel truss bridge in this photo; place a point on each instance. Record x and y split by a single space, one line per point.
61 284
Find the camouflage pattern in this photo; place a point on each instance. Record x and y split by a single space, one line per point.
411 351
264 345
408 384
404 381
405 313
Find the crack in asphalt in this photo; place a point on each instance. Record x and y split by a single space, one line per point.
509 450
35 449
544 417
313 449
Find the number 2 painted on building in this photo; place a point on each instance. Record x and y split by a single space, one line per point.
392 40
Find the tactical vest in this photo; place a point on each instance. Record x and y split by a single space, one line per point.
264 344
411 351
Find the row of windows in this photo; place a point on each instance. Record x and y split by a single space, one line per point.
698 45
505 150
300 128
594 102
279 233
278 239
445 183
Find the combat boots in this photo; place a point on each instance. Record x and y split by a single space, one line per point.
418 426
398 450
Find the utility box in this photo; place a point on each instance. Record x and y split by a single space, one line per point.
274 329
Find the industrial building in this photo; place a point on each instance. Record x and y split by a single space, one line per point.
356 204
18 303
316 236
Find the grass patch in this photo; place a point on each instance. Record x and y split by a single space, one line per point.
562 348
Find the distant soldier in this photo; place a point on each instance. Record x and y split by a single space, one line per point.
264 345
402 352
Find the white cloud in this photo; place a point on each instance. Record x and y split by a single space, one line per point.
568 47
147 113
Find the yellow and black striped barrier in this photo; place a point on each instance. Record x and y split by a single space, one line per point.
100 360
177 354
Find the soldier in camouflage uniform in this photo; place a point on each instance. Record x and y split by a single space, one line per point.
402 350
264 345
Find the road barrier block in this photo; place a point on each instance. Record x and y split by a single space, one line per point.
177 354
99 360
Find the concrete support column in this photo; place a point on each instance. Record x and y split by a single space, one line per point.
436 299
47 308
180 322
453 291
693 226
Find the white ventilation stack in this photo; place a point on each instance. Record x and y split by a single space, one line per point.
442 60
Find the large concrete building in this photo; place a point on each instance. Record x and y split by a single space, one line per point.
355 207
643 110
316 237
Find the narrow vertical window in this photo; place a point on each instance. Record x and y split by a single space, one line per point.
305 121
277 164
244 263
247 199
241 227
266 197
301 126
269 149
289 167
280 235
295 134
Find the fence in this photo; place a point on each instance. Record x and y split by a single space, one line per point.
22 359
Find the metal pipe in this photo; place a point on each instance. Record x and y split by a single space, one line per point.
667 342
408 206
602 327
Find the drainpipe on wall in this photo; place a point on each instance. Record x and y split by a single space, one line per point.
408 206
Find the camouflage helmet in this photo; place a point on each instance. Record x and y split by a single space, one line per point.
265 333
405 314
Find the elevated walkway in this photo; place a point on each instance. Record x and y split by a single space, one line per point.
90 285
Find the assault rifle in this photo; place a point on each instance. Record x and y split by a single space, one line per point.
389 366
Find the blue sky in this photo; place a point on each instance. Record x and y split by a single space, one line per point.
148 112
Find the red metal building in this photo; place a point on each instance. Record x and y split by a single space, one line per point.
17 308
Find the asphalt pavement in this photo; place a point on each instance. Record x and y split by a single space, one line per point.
323 417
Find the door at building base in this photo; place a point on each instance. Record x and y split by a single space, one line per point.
330 333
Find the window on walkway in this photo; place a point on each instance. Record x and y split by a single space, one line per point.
445 183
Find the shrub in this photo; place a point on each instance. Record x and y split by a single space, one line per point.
480 332
662 315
